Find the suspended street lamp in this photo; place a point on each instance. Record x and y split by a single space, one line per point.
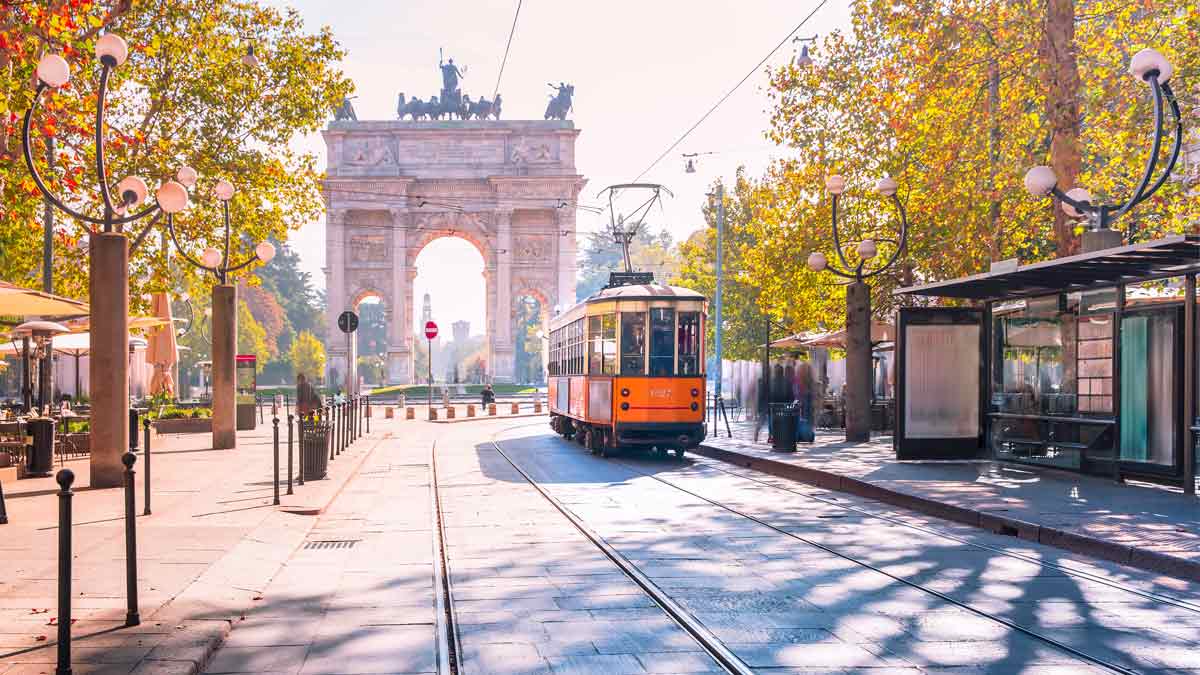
858 304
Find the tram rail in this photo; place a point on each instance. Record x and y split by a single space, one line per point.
449 646
665 601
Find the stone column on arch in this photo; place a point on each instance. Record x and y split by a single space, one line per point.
502 364
400 357
566 263
335 289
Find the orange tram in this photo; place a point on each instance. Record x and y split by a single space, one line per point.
626 368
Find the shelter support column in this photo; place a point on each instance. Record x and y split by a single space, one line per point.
1189 384
1118 317
502 361
858 362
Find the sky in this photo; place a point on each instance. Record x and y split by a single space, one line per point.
644 71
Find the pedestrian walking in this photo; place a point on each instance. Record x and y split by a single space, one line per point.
488 394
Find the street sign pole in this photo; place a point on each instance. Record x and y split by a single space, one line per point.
431 331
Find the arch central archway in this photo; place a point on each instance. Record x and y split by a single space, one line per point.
451 276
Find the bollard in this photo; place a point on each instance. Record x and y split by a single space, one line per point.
368 414
433 413
146 469
275 443
491 408
329 440
537 407
515 409
132 618
133 428
287 403
291 422
389 412
335 430
65 478
305 422
260 407
410 413
470 410
3 510
450 412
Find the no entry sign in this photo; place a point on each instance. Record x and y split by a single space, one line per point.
430 330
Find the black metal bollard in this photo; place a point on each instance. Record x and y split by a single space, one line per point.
133 428
305 424
275 437
290 423
65 479
368 414
329 439
146 468
132 617
336 428
258 400
357 416
3 510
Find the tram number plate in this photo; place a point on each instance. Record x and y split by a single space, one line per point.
659 394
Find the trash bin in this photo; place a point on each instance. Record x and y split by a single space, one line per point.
783 426
39 460
315 444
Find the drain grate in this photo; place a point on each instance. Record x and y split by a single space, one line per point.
329 544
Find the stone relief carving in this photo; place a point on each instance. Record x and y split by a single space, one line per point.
533 249
454 220
368 248
532 151
368 152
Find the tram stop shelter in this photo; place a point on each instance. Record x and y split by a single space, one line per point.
1085 363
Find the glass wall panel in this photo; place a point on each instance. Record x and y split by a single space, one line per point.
662 341
633 343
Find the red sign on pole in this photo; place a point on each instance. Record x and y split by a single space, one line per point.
430 330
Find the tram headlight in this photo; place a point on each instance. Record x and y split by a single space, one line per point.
695 393
624 391
695 406
625 405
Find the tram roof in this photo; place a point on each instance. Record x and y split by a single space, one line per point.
645 292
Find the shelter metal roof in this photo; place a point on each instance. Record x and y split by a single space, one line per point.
1166 257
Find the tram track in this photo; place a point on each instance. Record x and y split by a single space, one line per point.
631 570
1066 570
449 645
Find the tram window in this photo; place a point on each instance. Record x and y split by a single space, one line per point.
662 341
633 343
608 326
595 345
689 343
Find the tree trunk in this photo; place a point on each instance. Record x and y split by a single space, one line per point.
1060 77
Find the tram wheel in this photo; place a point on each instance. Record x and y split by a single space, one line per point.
679 454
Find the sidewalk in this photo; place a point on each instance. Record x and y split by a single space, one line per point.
213 542
1143 526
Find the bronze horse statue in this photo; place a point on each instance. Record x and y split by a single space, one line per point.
560 104
434 109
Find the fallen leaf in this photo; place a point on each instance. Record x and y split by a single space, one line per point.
40 638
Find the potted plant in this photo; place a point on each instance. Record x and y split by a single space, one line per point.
172 419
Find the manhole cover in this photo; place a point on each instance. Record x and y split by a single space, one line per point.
327 544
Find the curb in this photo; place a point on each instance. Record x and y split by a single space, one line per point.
1150 561
458 420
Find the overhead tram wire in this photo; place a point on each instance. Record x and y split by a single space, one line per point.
730 92
507 46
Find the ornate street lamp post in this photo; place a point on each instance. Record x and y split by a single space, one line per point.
108 265
224 313
858 305
1153 68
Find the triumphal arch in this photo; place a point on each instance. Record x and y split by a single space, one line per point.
507 187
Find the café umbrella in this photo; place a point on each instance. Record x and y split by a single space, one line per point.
161 351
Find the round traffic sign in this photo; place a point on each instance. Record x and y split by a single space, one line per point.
430 330
348 321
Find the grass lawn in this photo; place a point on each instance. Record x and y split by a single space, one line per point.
419 390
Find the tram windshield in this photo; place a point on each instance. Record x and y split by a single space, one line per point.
662 341
633 343
689 343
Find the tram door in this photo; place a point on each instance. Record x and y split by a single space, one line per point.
941 375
